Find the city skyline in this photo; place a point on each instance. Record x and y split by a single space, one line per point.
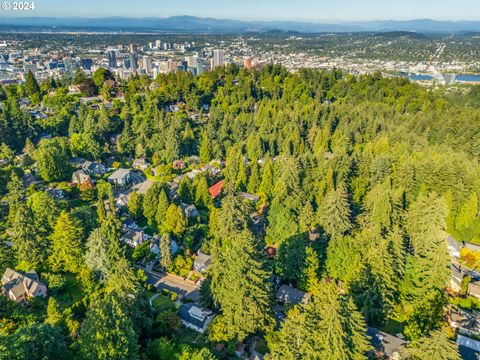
301 10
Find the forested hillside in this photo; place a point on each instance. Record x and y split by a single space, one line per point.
359 179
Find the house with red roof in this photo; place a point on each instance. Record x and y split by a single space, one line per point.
216 189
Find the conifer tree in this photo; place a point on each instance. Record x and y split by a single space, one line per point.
436 346
205 150
135 205
66 239
202 196
15 196
150 203
96 254
31 84
175 220
29 248
341 328
242 176
165 251
108 332
253 186
289 343
266 185
241 287
467 213
328 327
334 213
54 313
162 208
309 273
428 267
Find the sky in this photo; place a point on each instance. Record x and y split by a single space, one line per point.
299 10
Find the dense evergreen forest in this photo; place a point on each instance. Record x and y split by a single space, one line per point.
360 180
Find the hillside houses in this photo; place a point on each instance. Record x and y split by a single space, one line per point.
464 281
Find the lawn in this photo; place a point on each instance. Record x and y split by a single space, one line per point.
261 346
392 327
191 337
143 223
162 303
71 293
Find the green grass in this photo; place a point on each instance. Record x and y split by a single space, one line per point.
143 223
191 337
162 303
71 293
392 327
261 346
467 303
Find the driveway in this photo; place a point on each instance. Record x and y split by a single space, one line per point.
184 288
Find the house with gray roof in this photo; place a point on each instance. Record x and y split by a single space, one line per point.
144 186
172 189
93 168
469 348
134 237
19 287
190 211
289 295
456 276
466 322
80 176
386 346
193 316
250 197
201 262
140 164
121 177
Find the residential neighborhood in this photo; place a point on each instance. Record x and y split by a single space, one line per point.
168 193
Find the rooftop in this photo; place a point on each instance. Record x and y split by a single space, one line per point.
119 174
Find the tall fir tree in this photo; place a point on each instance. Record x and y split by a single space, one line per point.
335 214
66 249
165 251
435 346
241 287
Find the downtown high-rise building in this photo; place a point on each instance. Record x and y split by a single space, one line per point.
217 59
112 59
147 64
133 62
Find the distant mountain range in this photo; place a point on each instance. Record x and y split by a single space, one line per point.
191 24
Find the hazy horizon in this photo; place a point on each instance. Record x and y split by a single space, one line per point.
267 10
